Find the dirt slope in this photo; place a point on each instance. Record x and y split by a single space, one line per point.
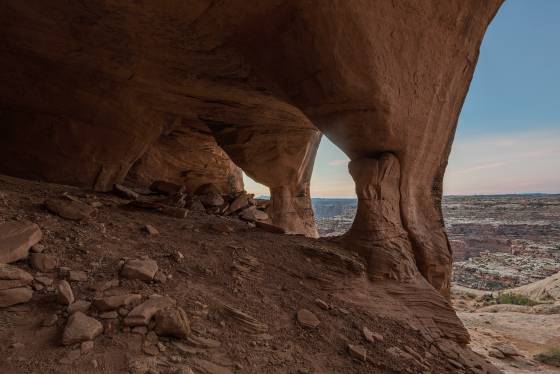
268 276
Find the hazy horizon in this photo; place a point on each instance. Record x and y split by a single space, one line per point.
508 135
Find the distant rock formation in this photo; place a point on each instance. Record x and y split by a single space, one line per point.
91 90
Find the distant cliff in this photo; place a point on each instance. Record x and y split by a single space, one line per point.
325 208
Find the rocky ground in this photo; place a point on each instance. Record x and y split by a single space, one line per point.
110 286
509 335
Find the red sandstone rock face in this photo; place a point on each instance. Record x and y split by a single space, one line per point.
189 156
89 89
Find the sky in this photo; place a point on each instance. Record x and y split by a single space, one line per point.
508 136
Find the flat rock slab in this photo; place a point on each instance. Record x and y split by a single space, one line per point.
16 238
143 313
108 303
69 209
81 328
13 277
143 269
15 296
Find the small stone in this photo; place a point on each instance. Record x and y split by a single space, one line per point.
141 330
371 336
151 230
143 269
65 296
81 328
77 276
16 238
358 352
109 315
150 349
78 306
323 305
37 248
125 192
307 319
43 263
86 346
96 204
122 312
15 296
172 322
143 313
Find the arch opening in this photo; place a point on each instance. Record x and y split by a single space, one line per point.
332 191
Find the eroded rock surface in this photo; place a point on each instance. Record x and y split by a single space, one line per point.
90 90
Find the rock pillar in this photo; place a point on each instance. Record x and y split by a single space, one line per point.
377 232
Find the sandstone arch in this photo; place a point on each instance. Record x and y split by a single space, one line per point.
87 90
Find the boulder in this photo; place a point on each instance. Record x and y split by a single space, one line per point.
13 277
240 202
143 313
253 214
69 209
15 296
81 328
211 199
172 322
143 269
16 238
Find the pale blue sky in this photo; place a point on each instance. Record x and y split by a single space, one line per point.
508 138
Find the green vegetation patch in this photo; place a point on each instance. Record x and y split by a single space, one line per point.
515 299
551 357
